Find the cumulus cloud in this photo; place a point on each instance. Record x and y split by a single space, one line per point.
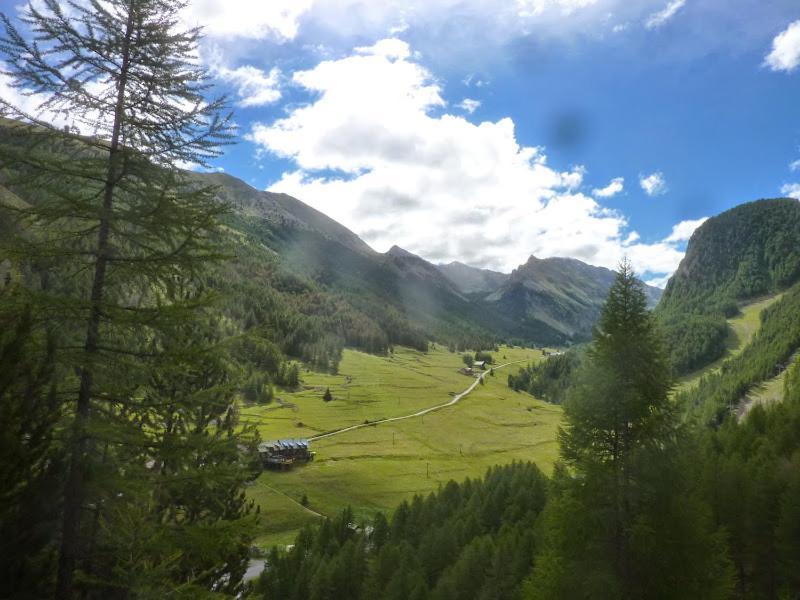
469 105
612 189
684 230
495 21
278 19
794 165
534 8
791 190
785 54
662 17
653 184
659 282
377 151
253 86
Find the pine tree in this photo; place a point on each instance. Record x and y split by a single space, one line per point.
622 522
30 465
116 229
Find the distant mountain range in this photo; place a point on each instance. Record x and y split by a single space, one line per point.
312 286
549 301
309 286
557 298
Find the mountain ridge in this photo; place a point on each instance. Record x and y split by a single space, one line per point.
750 250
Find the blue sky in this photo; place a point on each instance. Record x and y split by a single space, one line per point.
488 130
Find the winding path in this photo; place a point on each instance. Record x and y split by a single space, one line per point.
454 400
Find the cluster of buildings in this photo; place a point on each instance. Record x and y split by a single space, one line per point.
283 454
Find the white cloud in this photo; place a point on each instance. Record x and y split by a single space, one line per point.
534 8
785 54
663 16
473 80
391 48
791 190
377 151
226 19
795 165
469 105
401 27
253 86
684 230
659 282
612 189
653 184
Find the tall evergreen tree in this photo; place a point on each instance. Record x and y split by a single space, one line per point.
29 463
622 523
118 231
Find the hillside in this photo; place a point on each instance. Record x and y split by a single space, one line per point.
766 356
749 251
398 295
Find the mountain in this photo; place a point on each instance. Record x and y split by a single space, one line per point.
471 280
310 286
281 210
550 301
748 251
558 298
394 297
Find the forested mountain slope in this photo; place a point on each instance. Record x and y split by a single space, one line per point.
719 394
748 251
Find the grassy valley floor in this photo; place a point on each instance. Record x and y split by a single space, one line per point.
376 467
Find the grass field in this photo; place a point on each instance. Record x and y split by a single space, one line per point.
376 467
766 392
742 329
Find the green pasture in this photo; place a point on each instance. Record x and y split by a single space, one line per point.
376 467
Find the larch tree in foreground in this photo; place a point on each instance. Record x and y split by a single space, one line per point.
110 249
624 521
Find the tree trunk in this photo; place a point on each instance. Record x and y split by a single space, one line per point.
74 489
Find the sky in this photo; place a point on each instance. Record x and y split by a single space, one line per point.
486 131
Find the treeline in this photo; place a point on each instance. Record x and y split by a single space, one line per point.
748 251
718 394
639 506
549 379
473 540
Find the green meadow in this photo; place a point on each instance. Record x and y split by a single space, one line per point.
376 467
769 391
